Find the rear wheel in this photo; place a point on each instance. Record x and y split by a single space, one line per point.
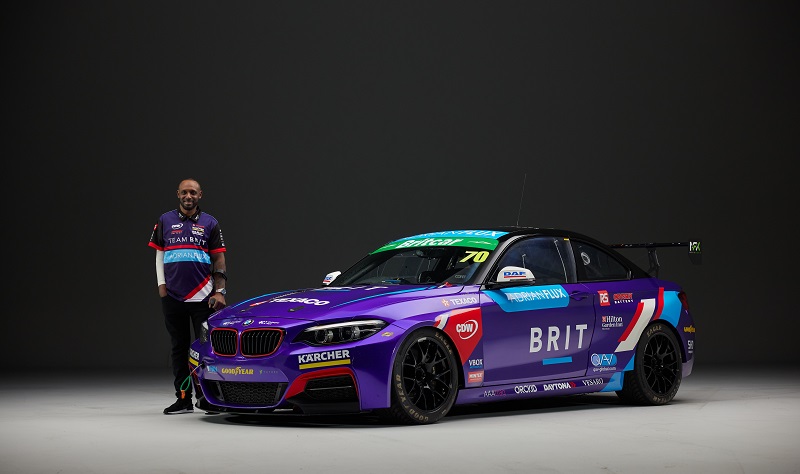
656 374
424 378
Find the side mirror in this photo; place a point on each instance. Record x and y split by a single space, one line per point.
330 277
512 276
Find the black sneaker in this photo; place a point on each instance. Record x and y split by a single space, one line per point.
182 405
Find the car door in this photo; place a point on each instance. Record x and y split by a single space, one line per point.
538 330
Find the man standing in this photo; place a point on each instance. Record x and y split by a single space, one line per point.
190 270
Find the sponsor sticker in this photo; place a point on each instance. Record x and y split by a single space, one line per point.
603 294
623 298
235 371
314 360
610 322
519 299
444 239
475 376
604 360
310 301
559 386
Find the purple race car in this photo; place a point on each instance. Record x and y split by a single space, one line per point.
448 318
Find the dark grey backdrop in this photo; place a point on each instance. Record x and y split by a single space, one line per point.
321 130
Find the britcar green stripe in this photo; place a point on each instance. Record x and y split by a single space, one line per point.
473 242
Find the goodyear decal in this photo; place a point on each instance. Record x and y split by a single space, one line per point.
238 370
529 298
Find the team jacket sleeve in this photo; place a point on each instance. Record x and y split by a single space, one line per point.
216 243
157 237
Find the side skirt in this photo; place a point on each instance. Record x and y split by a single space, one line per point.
597 383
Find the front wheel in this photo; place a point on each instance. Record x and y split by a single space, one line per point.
656 374
424 378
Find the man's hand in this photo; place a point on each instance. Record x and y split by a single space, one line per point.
217 302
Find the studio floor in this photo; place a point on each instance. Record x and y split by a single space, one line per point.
722 421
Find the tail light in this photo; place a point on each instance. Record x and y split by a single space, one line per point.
684 300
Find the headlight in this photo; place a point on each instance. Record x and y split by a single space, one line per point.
204 332
338 333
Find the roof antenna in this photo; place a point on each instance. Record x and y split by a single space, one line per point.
521 196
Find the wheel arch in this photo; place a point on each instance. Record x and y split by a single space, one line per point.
674 331
459 365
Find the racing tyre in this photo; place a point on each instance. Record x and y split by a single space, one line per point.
424 379
656 374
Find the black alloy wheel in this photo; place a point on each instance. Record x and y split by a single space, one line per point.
424 378
657 369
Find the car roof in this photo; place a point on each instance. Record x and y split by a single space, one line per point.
513 231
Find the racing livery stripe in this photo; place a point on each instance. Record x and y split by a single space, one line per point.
441 320
660 305
630 337
614 384
324 364
376 296
557 360
671 311
482 243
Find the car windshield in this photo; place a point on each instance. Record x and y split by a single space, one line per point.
420 266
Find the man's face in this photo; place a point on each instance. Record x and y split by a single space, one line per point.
189 195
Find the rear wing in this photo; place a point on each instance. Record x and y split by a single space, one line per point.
694 252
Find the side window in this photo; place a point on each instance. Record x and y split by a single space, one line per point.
547 257
595 264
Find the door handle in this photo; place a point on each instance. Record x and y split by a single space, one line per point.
579 295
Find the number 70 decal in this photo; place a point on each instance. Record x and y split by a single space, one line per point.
477 256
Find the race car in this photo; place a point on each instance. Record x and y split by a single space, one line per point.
446 318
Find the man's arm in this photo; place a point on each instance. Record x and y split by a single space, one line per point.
219 273
161 281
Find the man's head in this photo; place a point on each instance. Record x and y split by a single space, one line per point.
189 194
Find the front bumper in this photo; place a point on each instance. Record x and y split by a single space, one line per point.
311 380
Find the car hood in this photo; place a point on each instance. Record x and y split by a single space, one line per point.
331 303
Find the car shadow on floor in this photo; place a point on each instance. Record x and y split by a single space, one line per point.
592 401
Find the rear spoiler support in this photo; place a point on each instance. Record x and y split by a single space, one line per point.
694 252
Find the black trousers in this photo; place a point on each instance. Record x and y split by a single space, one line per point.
181 319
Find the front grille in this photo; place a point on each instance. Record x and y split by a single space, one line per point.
248 393
340 388
223 341
260 342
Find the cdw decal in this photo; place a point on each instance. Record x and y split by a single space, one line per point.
464 326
